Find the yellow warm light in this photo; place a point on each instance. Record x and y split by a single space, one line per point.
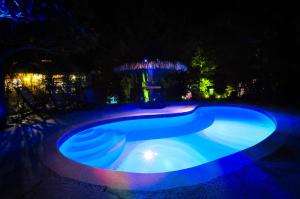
57 76
30 80
73 77
26 79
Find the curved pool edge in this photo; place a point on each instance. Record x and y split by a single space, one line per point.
153 181
77 128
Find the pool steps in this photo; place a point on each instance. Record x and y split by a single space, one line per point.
100 148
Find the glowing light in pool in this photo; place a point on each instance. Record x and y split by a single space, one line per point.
157 145
149 155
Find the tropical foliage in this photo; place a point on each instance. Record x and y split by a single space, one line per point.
203 72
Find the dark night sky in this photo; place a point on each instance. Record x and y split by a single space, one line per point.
132 30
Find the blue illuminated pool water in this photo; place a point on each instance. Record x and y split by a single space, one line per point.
169 143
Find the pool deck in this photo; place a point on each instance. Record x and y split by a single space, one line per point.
24 175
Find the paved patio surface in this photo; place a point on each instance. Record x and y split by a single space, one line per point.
23 174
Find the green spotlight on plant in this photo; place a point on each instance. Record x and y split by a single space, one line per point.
218 96
144 87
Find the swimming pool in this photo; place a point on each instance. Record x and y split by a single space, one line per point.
167 143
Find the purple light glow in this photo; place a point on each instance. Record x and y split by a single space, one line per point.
151 65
